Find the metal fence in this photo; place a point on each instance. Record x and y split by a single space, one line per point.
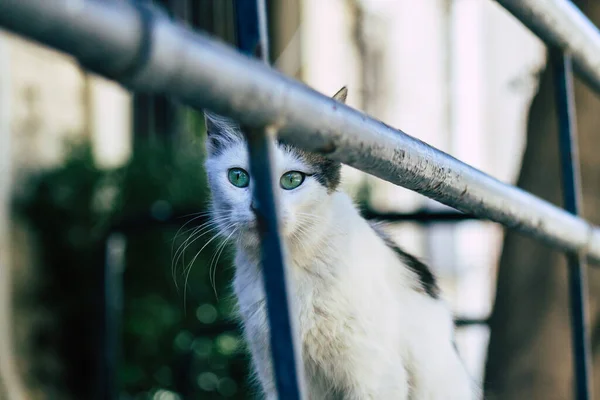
145 50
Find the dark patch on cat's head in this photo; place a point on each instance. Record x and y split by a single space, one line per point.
327 172
221 133
426 278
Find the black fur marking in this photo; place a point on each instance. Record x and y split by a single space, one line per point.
219 141
216 146
327 172
221 133
426 278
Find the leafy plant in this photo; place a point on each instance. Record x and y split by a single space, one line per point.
173 346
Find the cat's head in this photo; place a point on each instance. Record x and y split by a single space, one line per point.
304 181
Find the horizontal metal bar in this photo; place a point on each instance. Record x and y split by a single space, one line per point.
205 73
143 221
561 24
420 216
464 322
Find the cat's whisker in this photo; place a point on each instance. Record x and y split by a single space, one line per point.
310 218
315 220
179 230
200 213
304 246
190 229
213 221
197 233
298 240
175 257
214 228
187 223
305 228
200 231
211 275
189 268
303 233
216 261
222 244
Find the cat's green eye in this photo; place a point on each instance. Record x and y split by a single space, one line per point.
291 180
238 177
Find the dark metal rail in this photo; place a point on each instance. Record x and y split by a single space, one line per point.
569 158
251 21
284 349
112 315
421 216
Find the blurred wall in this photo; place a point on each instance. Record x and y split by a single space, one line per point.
10 386
530 352
41 112
495 66
46 101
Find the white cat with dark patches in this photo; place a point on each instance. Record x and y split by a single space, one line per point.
371 323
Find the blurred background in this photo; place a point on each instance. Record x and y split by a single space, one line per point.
101 191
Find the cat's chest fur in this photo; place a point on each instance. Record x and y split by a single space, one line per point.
342 298
326 318
328 327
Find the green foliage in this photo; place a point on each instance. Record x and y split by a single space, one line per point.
178 341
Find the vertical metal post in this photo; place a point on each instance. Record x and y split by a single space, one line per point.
251 23
569 158
113 310
251 28
284 351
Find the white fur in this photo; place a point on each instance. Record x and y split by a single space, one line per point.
366 331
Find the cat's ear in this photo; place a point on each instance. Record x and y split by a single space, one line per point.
220 132
341 95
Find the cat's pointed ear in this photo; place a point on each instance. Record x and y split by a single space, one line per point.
220 132
341 95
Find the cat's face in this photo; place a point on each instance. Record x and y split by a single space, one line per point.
304 181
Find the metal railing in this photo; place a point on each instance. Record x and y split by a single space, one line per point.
144 50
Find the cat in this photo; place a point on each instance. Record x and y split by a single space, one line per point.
371 321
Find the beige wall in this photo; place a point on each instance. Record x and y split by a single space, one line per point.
45 101
10 387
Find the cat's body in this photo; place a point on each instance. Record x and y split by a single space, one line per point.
371 324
